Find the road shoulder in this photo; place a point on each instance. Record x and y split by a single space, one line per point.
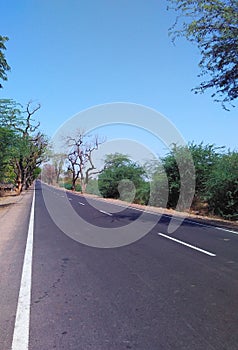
14 218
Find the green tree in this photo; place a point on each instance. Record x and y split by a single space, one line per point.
4 67
143 193
28 145
204 158
92 187
179 168
172 171
37 145
122 178
159 189
213 26
9 114
7 137
222 187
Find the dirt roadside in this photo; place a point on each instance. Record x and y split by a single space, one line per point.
14 211
14 220
7 201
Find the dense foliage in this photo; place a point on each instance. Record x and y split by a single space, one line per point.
4 67
92 187
203 157
7 137
216 182
122 178
222 187
23 146
213 26
215 186
179 169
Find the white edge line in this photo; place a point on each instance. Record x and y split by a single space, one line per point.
21 329
212 226
168 215
227 230
187 245
105 212
176 218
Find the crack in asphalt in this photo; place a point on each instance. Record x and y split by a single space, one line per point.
55 283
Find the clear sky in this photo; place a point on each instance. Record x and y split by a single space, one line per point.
75 54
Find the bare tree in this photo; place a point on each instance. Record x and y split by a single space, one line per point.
79 156
48 173
58 161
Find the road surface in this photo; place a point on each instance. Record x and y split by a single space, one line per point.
165 291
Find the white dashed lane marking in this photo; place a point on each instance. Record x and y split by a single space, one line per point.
187 245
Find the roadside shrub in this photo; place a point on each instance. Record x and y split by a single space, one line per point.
204 158
222 187
143 194
179 169
159 188
92 187
68 186
123 178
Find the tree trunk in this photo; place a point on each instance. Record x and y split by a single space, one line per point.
83 186
19 185
57 178
20 177
73 187
82 183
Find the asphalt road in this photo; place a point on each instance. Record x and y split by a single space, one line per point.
153 294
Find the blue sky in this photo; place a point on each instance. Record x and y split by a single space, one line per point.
75 54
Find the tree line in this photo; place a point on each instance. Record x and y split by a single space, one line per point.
159 184
156 183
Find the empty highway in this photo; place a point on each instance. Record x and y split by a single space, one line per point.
164 291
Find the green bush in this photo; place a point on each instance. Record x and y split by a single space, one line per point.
122 178
222 187
68 186
159 190
179 169
92 187
204 158
143 194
